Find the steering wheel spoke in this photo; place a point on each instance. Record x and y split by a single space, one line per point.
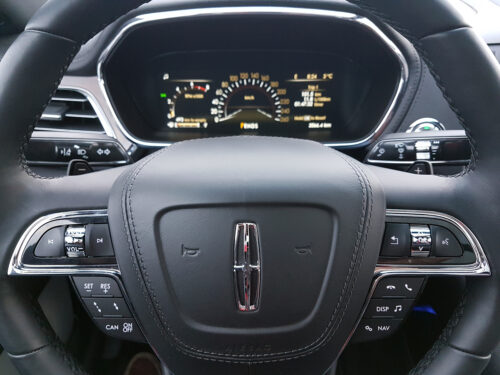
66 231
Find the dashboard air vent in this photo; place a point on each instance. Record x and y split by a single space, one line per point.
69 111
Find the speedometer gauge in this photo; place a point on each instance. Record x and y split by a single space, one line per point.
249 100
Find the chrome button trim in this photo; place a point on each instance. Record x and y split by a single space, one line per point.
18 267
479 268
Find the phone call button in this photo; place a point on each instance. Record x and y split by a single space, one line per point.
398 287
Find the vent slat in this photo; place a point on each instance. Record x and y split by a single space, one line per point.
83 113
69 111
69 96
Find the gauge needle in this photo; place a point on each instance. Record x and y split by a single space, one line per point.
264 113
228 117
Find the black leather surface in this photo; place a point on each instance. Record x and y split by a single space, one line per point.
305 312
48 360
472 87
79 20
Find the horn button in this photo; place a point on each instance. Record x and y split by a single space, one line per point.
247 251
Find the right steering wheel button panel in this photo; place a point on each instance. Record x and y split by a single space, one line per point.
391 302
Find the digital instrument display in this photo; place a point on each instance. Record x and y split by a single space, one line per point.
272 93
248 100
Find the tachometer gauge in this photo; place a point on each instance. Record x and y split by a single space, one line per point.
189 106
249 100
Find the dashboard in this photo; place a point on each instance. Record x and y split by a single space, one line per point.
169 72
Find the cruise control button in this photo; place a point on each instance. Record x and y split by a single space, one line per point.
444 243
398 287
107 307
99 241
96 286
388 308
375 329
51 244
396 240
121 328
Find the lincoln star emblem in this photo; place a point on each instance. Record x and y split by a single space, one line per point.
247 266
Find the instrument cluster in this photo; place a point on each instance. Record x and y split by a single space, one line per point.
332 78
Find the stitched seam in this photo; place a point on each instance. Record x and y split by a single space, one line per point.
342 303
442 341
24 145
26 354
77 44
36 31
439 82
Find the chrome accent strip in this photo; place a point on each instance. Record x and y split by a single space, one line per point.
237 10
17 267
479 268
108 129
424 120
431 162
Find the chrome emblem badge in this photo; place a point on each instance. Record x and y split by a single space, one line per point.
246 267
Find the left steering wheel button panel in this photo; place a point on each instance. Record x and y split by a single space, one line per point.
51 244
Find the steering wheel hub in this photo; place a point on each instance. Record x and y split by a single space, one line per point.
251 254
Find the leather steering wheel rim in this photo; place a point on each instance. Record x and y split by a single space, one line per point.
42 54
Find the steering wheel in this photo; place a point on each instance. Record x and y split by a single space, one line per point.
253 195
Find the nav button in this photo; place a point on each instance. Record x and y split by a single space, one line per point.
375 329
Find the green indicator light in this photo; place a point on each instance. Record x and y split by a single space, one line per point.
163 95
